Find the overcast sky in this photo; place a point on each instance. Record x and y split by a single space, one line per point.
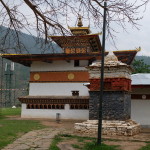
134 38
129 40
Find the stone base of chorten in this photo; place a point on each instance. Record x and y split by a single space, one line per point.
109 127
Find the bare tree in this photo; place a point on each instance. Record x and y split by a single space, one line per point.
51 17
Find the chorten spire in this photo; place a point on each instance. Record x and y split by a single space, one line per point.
79 30
80 24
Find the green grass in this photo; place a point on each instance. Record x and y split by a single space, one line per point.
83 143
93 146
4 112
12 129
54 143
76 146
79 138
147 147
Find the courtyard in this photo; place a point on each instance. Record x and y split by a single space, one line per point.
46 134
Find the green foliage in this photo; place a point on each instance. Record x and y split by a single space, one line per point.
76 146
140 67
54 143
79 138
28 43
10 111
83 143
93 146
145 58
12 129
147 147
20 77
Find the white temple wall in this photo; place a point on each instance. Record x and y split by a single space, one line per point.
51 113
140 111
59 65
57 89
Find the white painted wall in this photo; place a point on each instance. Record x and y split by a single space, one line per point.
51 113
140 111
57 89
57 65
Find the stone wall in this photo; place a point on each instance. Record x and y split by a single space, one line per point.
116 105
109 127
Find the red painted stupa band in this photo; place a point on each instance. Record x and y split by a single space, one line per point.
114 84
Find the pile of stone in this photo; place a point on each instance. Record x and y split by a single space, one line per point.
109 127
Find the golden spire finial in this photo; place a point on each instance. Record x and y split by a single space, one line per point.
80 21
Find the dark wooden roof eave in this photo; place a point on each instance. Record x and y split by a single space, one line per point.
60 40
27 59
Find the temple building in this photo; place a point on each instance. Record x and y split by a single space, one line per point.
57 81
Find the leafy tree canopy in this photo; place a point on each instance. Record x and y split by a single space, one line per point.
139 66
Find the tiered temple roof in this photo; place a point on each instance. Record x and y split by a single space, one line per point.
81 40
26 59
80 46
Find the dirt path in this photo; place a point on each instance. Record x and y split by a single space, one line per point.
41 139
34 140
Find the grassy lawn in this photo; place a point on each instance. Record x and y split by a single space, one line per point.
147 147
12 129
87 143
4 112
81 143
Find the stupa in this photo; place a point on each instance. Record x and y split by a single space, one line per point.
116 99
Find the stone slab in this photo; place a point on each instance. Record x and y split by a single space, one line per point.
109 127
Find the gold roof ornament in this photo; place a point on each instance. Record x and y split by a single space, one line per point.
80 30
138 49
80 24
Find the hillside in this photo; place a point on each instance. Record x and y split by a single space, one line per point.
28 43
145 58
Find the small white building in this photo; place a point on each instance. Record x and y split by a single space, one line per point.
140 103
57 87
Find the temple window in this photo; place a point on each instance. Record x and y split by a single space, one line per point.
79 106
75 93
36 107
49 107
62 106
53 106
56 106
28 106
32 106
76 63
45 106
